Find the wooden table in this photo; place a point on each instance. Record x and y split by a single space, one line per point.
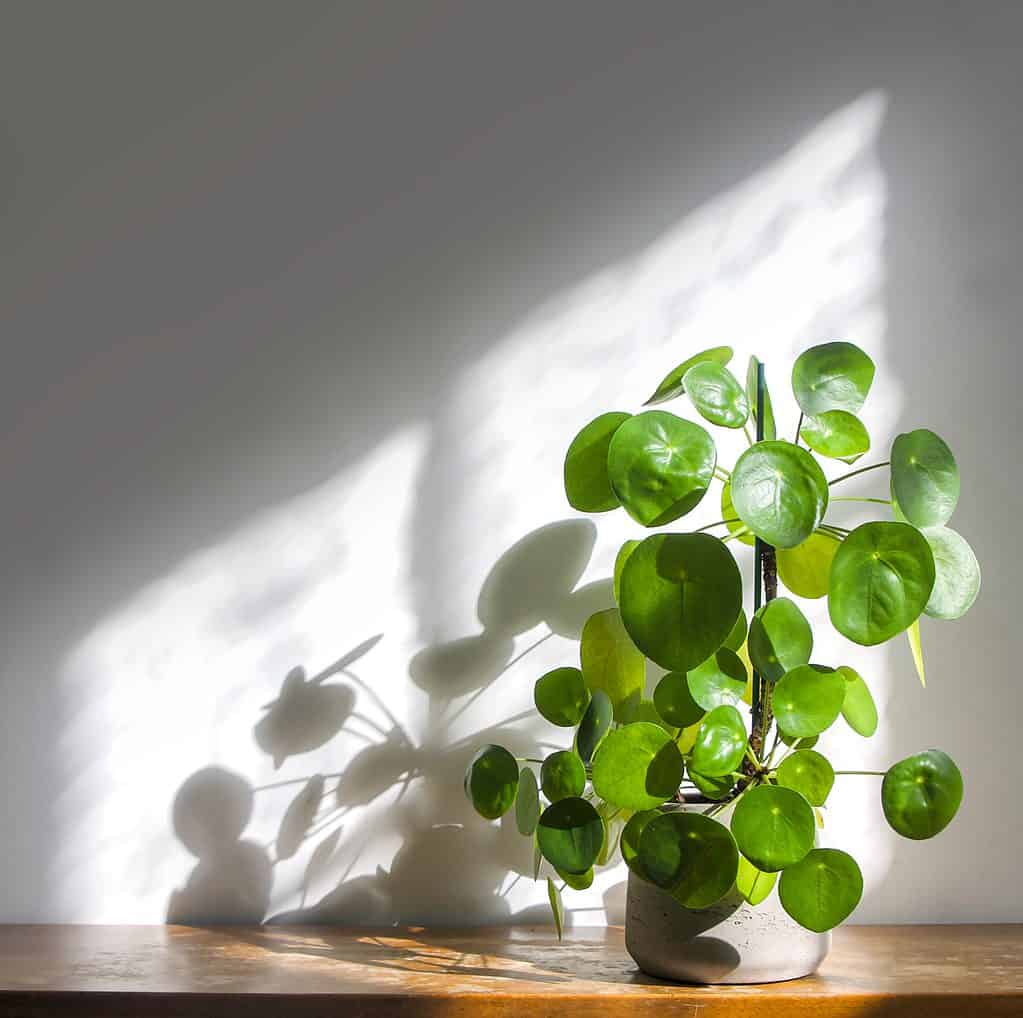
519 972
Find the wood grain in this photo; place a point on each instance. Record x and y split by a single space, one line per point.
516 972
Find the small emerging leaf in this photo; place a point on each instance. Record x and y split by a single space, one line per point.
671 385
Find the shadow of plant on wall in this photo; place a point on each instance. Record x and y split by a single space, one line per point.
454 868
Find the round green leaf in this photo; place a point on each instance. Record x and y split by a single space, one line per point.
858 707
753 884
681 596
805 569
561 696
821 890
794 742
637 767
921 794
956 574
562 776
925 478
627 548
737 637
660 466
770 431
674 701
690 855
577 881
773 827
586 482
720 679
780 492
672 384
610 660
836 434
492 781
717 394
645 710
631 834
731 517
720 742
832 376
780 639
808 773
570 834
808 699
712 788
881 579
527 802
594 725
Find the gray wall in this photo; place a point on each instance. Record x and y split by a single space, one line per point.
264 270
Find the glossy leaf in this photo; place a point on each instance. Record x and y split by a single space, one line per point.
562 776
492 781
718 680
836 434
805 568
611 661
637 767
570 833
780 638
660 466
753 884
627 548
631 835
672 385
586 482
733 523
808 699
832 376
594 726
561 696
527 803
737 637
780 492
681 596
917 650
614 821
956 574
557 907
646 710
821 890
808 773
712 788
924 478
858 707
770 430
921 794
690 855
773 827
717 394
578 881
881 579
674 701
720 742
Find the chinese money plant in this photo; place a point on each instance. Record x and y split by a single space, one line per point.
699 799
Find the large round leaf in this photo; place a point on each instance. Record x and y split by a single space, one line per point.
780 638
858 707
720 742
674 701
808 699
832 376
594 726
753 884
562 775
681 595
561 696
808 773
956 574
773 827
717 394
881 579
660 466
731 517
637 767
631 835
570 835
770 431
586 481
610 661
492 781
836 434
627 548
805 569
780 492
690 855
672 385
720 679
921 794
527 802
712 788
925 478
821 890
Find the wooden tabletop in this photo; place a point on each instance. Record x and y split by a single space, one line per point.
516 972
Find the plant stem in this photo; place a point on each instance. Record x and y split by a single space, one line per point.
719 523
722 474
862 470
856 498
745 431
799 427
876 774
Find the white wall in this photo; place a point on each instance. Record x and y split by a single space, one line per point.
300 306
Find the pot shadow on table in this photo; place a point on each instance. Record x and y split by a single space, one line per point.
442 872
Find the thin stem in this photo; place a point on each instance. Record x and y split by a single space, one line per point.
856 498
722 473
799 427
719 523
875 774
862 470
834 527
734 534
528 759
745 431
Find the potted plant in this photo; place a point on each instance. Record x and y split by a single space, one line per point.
717 818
